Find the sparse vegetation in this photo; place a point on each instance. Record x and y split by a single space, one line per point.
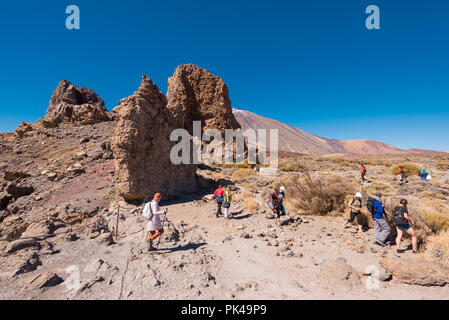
410 169
443 166
241 174
319 196
437 247
384 188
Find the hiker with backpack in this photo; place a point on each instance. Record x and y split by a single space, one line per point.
363 172
219 196
152 213
424 174
381 227
355 205
274 204
227 202
281 195
404 224
401 174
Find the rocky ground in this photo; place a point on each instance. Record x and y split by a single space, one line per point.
64 180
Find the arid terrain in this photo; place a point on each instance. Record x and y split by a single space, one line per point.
68 180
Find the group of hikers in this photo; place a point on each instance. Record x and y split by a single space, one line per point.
382 230
401 173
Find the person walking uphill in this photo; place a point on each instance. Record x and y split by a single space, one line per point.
219 196
424 174
274 204
404 224
363 172
152 213
281 196
227 202
355 206
381 227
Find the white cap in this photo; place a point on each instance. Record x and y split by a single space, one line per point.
358 195
282 188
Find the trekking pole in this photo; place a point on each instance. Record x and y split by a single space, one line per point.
163 222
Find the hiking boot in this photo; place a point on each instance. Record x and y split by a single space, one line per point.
150 246
379 243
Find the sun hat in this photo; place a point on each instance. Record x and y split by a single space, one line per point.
282 188
378 194
358 195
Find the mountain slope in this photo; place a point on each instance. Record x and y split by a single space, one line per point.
291 139
295 140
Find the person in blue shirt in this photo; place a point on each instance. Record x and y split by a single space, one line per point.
424 173
381 227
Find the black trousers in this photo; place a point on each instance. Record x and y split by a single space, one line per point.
357 215
219 204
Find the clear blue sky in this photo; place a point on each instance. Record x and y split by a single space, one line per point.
311 64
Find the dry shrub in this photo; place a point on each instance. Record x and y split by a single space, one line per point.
443 166
410 169
434 214
251 204
437 247
319 196
289 166
241 174
385 189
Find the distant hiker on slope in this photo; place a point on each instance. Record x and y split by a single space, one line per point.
274 204
218 196
227 202
281 196
401 174
152 213
423 173
355 205
404 223
363 172
381 227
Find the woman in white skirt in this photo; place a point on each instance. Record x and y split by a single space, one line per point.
154 225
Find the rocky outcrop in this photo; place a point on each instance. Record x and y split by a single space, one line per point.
417 272
194 94
72 104
141 147
338 274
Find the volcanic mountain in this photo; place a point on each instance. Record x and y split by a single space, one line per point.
295 140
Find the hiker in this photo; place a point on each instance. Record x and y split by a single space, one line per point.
401 174
404 224
281 195
154 225
227 202
381 227
424 173
363 172
274 204
355 206
218 196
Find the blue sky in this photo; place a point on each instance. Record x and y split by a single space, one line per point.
311 64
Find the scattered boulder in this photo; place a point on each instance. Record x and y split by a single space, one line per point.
18 190
24 128
21 244
5 198
72 104
24 263
338 273
141 146
39 230
46 279
105 238
417 272
15 175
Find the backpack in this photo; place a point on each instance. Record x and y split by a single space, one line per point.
370 205
147 212
398 215
219 198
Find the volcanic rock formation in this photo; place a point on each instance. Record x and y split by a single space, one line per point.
141 147
72 104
